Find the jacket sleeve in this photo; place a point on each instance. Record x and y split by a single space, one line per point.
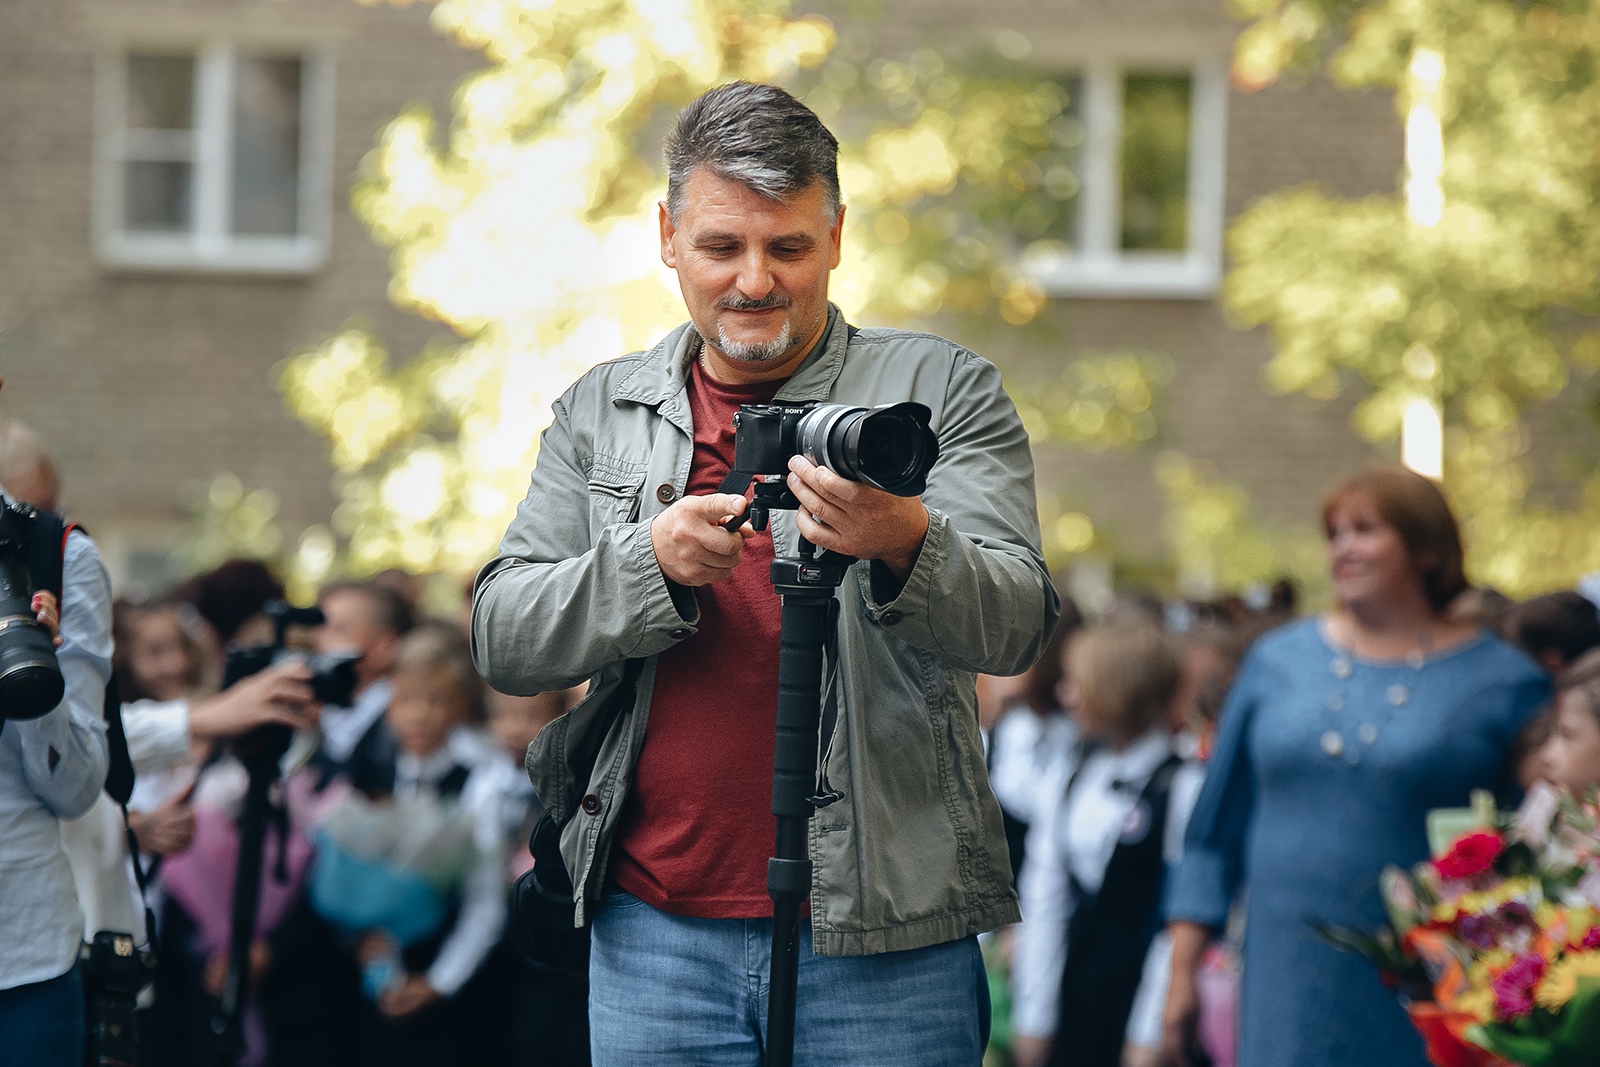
562 601
64 753
979 594
1202 888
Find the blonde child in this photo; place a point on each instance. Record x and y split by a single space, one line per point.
416 1019
1088 974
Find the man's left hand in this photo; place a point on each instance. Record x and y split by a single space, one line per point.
856 519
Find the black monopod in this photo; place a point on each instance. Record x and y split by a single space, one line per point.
807 584
890 448
260 751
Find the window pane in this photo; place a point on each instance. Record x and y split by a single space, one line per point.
266 149
1063 165
160 92
157 196
1155 162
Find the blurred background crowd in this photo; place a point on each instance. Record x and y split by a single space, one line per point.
1098 755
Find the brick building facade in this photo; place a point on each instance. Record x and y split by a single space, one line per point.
147 365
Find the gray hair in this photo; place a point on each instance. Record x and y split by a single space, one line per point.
756 135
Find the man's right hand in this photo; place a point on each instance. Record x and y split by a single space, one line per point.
276 695
691 546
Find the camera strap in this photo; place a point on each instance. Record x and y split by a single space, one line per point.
826 794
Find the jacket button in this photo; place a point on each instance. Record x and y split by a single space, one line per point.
590 804
891 618
666 493
680 633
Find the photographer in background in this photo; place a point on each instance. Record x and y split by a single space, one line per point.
369 618
619 556
52 768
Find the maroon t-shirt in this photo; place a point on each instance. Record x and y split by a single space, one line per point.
698 828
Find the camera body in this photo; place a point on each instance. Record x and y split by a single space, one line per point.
332 681
891 447
114 971
30 677
333 674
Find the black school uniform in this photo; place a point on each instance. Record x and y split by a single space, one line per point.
439 1035
1091 899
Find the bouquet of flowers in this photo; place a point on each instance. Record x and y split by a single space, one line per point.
391 865
1495 942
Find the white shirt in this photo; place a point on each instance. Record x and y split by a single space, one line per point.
53 768
158 736
482 915
97 843
1025 751
343 728
1075 838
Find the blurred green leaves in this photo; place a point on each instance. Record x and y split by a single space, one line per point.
1483 310
528 228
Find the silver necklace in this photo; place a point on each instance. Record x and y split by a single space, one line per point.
1342 666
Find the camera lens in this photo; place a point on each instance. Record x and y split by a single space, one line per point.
890 447
887 447
30 679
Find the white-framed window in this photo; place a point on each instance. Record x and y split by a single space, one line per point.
214 156
1142 209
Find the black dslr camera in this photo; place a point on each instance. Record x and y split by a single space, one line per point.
891 447
114 972
30 678
333 674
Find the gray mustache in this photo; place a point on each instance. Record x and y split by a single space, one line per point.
739 303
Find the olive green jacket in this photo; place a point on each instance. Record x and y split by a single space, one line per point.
914 855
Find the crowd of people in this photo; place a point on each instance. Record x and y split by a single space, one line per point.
422 731
1188 787
1126 808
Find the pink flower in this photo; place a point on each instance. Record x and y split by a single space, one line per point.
1513 987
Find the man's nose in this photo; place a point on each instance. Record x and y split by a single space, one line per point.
755 275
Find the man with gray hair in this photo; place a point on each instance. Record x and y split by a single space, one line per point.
619 568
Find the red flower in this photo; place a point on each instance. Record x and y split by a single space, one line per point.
1470 854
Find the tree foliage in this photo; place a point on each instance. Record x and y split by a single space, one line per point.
529 228
1488 309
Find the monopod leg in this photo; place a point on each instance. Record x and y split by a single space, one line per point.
805 620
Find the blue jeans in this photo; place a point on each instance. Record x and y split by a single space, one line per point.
41 1024
668 990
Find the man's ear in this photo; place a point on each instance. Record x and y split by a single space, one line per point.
835 238
669 255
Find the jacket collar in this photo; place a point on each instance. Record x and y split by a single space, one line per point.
664 371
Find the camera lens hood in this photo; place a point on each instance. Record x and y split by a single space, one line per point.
31 684
891 447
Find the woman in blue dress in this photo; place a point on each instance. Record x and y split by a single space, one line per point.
1340 734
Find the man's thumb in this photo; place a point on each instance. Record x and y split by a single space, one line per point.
720 505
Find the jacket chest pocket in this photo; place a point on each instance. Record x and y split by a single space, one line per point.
614 488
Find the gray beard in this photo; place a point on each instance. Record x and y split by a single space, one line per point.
751 351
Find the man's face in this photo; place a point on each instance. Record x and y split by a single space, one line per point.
754 272
353 626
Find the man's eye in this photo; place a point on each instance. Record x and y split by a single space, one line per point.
788 251
721 250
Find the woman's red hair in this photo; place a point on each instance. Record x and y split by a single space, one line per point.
1416 507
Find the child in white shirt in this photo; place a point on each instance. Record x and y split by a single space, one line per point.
1089 967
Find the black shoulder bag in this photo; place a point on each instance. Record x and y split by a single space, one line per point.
543 930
